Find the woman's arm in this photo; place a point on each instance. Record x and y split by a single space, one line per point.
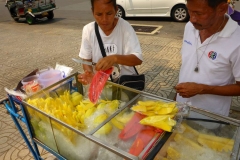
127 60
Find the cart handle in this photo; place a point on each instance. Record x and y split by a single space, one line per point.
10 110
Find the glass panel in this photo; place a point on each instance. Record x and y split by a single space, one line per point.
41 127
202 137
126 133
73 146
112 92
68 102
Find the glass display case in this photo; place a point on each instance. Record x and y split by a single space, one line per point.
62 118
202 135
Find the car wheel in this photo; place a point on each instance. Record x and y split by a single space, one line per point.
180 13
120 12
30 19
50 15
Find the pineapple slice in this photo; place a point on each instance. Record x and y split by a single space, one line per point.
173 154
180 138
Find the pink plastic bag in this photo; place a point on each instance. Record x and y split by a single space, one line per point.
97 84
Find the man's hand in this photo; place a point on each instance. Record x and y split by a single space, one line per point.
189 89
85 78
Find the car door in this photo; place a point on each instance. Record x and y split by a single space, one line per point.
138 7
161 7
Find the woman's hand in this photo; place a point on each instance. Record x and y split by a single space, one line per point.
105 63
86 77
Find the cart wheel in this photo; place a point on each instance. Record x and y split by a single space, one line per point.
30 19
50 15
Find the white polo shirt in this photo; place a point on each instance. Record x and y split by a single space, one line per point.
219 65
123 41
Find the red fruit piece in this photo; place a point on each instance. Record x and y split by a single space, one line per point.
132 127
97 84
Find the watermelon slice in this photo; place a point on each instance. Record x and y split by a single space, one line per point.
97 84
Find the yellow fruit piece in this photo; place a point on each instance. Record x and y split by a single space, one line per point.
99 119
179 138
80 108
148 113
163 125
147 103
75 94
173 153
164 110
190 130
163 122
175 110
223 140
82 119
215 142
157 118
111 106
217 146
107 128
125 117
117 124
90 111
101 106
139 108
151 108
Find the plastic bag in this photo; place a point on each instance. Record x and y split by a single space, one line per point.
66 71
97 84
18 94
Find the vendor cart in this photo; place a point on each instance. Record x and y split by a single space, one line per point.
115 131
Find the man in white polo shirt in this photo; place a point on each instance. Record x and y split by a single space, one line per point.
210 71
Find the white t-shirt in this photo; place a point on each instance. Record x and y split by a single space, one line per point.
122 41
219 65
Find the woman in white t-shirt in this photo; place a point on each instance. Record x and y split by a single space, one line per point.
119 39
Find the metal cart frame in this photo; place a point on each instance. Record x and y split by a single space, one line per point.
16 109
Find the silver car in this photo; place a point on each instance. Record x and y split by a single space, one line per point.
153 8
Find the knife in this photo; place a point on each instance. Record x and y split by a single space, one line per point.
83 61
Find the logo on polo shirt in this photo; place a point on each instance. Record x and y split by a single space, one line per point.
212 55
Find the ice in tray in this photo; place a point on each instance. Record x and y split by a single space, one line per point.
131 129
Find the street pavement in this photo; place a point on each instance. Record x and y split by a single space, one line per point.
24 48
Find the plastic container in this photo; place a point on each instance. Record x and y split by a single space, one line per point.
43 70
49 77
29 79
31 84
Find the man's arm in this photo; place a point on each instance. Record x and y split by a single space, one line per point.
190 89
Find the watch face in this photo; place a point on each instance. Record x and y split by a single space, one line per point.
116 71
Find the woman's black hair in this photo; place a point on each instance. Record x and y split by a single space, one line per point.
109 1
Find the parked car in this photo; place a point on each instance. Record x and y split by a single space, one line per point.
153 8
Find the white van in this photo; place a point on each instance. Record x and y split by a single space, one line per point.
153 8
